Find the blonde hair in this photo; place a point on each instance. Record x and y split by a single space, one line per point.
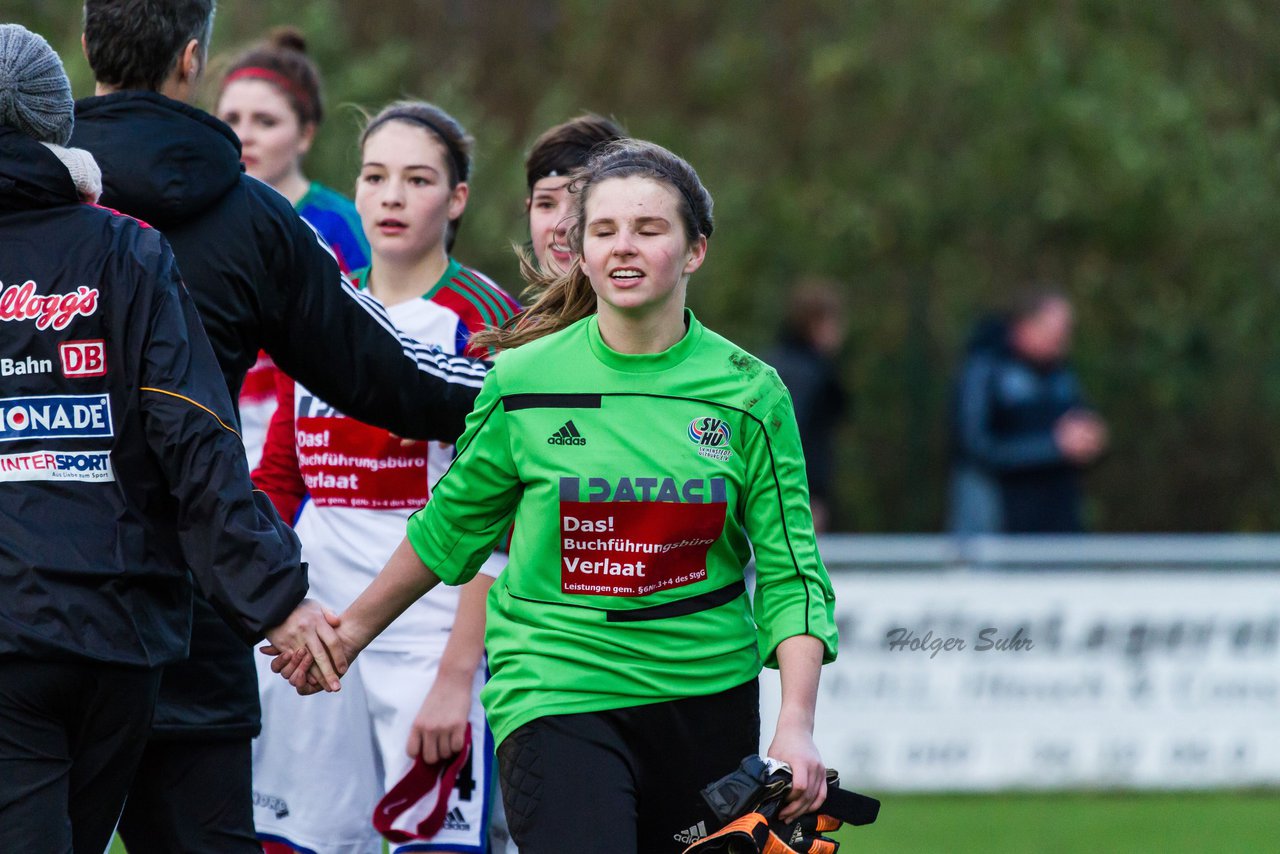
561 300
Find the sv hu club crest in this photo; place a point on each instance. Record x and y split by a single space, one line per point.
712 436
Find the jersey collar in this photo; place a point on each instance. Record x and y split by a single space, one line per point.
640 363
360 278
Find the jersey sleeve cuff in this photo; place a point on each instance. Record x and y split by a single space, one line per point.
435 544
772 636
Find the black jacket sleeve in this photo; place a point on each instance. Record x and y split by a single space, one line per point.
245 560
340 344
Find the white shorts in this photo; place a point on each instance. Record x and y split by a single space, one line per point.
323 762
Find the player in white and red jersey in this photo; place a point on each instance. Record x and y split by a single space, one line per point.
319 768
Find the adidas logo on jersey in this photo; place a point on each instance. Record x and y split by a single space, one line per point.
692 834
455 820
567 435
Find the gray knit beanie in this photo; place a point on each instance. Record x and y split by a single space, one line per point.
35 95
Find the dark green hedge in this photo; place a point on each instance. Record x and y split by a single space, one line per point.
933 155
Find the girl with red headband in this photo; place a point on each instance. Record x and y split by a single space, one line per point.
271 97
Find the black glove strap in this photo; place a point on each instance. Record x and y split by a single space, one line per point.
849 807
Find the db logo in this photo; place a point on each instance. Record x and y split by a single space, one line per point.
83 358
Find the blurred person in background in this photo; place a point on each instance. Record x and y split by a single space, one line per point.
1021 431
556 154
271 97
805 359
261 280
352 488
121 479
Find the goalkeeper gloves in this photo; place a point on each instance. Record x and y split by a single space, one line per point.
755 792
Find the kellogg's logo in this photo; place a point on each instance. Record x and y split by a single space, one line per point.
712 436
21 302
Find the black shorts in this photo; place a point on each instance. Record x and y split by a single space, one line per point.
624 781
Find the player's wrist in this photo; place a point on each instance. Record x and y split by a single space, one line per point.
356 632
793 720
457 674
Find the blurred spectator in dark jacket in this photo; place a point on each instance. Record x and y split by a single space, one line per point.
1021 432
805 358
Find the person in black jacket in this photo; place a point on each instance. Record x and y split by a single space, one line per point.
1021 431
261 279
805 358
119 472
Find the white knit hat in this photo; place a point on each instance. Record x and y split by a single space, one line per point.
35 95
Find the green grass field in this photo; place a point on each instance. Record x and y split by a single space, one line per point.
1119 823
1114 823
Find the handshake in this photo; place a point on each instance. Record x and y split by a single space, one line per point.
310 648
314 647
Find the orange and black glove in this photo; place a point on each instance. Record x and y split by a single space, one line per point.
762 786
748 834
805 835
755 834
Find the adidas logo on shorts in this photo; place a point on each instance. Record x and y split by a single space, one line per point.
455 820
692 834
567 435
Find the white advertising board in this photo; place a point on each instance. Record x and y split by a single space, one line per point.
955 679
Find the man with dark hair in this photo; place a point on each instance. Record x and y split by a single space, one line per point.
261 279
805 358
135 45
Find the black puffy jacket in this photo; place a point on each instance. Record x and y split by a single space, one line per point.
119 469
262 279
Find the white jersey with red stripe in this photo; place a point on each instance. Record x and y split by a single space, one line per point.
362 483
257 405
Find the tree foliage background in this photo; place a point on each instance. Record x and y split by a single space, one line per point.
933 155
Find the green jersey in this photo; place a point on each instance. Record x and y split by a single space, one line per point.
638 486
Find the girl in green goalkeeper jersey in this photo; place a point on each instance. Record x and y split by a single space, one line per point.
643 460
